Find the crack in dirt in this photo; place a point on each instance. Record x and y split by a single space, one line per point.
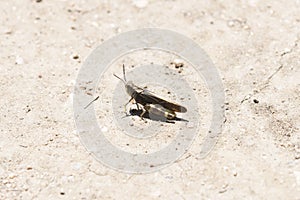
266 82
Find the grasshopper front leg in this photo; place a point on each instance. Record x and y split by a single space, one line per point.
126 105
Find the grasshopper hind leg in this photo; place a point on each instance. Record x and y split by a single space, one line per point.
142 115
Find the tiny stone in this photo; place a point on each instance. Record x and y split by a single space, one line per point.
255 101
8 185
140 3
118 30
178 63
104 129
297 177
76 166
234 173
287 50
223 190
190 125
187 14
8 32
25 187
19 60
11 176
226 168
70 178
230 23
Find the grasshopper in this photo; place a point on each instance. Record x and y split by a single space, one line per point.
150 102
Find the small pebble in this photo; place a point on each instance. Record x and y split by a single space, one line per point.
19 60
11 176
230 23
8 32
76 166
286 50
234 173
70 178
190 125
75 57
224 188
104 129
187 14
255 101
225 168
25 187
297 176
140 3
178 63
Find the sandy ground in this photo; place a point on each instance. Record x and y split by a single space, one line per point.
255 46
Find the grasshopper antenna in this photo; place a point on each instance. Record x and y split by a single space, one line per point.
123 80
120 79
124 73
91 102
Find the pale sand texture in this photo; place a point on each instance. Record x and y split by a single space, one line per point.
255 46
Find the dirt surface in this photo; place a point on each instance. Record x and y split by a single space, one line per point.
254 45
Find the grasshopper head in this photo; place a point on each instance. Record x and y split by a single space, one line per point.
130 88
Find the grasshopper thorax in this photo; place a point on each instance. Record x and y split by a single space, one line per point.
132 89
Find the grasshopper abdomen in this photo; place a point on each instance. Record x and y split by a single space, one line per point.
160 111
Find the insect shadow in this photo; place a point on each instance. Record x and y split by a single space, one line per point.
147 115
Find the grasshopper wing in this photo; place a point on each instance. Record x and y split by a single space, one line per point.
150 98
